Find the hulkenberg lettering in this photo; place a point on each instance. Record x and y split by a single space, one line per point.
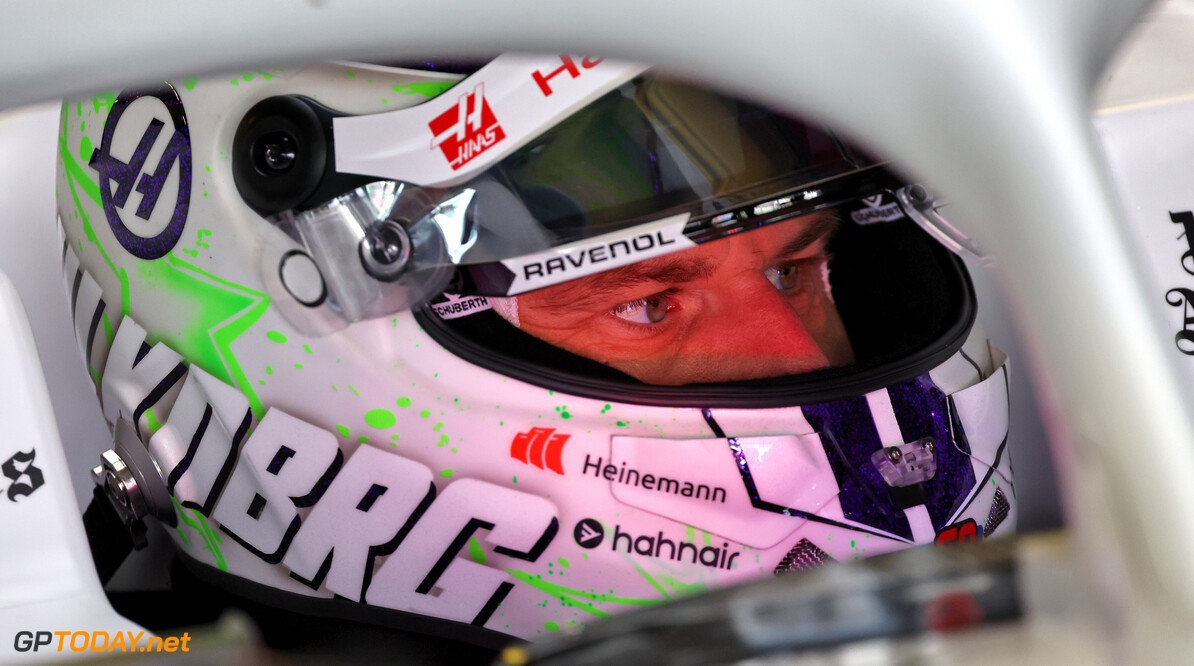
374 505
620 473
597 254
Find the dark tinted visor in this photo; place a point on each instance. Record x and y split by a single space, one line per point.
653 148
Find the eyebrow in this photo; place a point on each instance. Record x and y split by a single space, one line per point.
662 270
824 225
672 269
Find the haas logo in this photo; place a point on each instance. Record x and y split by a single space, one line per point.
175 158
467 130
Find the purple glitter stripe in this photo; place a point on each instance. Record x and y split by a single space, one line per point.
922 410
849 436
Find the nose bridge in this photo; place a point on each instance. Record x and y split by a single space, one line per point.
763 322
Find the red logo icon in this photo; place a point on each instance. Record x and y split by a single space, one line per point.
466 130
541 448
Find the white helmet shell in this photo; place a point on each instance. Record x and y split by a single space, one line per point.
364 462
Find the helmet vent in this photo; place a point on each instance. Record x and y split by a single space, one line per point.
804 555
999 510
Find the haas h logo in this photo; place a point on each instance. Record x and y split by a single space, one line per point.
541 448
124 175
466 130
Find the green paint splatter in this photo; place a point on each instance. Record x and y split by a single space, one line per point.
247 76
189 84
516 479
425 413
681 587
581 599
380 418
235 82
344 431
307 348
605 409
428 89
152 421
85 149
622 424
220 312
443 439
551 626
265 76
210 538
353 389
269 370
646 576
299 366
102 101
564 563
438 425
447 473
276 336
403 402
76 175
350 73
475 551
363 439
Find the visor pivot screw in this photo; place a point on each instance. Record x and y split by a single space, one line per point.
928 445
917 194
385 250
894 455
276 152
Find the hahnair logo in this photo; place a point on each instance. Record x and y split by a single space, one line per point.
467 130
540 447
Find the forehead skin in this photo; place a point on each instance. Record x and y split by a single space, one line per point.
725 321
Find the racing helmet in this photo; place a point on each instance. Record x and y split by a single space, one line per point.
502 352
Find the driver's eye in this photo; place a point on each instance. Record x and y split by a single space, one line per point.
785 277
649 310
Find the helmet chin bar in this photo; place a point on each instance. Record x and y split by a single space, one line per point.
378 249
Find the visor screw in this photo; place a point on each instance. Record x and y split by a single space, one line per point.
917 194
928 445
894 455
385 250
275 153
